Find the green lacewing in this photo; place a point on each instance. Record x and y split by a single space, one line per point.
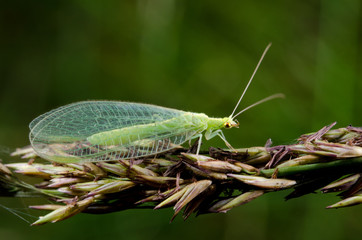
112 130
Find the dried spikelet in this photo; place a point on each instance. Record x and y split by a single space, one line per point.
330 160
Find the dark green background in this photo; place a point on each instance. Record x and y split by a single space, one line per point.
195 56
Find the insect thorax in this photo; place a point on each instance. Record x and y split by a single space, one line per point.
199 120
217 123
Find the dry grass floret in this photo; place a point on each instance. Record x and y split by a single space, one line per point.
330 160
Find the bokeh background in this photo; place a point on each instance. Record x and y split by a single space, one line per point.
195 56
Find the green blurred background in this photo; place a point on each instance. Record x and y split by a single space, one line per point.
195 56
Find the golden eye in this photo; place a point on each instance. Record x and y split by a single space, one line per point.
227 125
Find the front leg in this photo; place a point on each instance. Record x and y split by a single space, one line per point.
209 135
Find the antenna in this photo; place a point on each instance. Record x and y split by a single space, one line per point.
251 79
278 95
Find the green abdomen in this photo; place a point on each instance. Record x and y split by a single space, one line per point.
180 128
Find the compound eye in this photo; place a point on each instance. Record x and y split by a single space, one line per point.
227 125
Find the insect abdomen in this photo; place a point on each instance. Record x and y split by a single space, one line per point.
147 139
157 130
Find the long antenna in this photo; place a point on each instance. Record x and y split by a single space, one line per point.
278 95
252 76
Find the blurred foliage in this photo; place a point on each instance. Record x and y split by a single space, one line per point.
195 56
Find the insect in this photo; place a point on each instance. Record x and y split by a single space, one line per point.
111 130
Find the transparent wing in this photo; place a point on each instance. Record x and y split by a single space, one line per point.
61 134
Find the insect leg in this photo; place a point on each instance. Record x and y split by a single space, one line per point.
199 142
221 135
